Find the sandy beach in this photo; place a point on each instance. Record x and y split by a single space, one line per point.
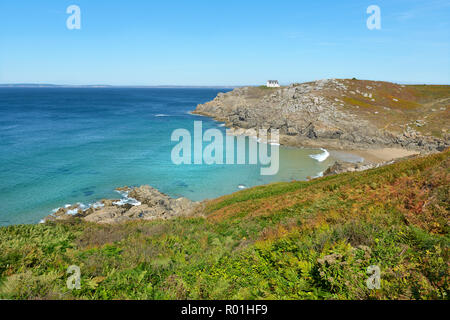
374 155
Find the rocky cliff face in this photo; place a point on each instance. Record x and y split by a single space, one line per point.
335 113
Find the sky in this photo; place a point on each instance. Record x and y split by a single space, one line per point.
215 42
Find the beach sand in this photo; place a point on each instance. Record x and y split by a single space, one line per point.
378 155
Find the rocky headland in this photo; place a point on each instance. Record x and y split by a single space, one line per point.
340 114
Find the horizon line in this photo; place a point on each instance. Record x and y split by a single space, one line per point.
49 85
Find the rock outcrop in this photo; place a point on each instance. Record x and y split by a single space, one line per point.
339 114
143 202
341 167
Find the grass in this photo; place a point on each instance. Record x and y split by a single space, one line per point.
298 240
430 92
392 106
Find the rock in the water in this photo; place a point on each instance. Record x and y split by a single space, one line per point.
153 205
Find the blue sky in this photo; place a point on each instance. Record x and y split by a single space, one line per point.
199 42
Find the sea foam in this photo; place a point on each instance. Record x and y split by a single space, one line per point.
126 199
321 157
72 212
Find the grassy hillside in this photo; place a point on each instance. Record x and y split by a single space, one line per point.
395 107
299 240
388 105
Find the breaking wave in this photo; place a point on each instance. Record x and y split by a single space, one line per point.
321 157
126 199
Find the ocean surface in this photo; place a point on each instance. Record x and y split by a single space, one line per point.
63 146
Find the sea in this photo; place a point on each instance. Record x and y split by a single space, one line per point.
67 145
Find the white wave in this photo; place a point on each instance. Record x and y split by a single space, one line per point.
321 156
72 212
123 194
98 205
320 175
241 186
162 115
126 200
82 206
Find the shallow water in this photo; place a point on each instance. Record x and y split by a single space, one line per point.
66 145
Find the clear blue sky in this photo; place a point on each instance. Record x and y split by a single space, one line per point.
232 42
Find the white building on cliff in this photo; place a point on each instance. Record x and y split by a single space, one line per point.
272 84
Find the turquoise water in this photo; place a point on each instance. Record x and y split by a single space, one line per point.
66 145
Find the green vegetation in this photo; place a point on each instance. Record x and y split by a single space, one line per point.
264 87
263 90
429 93
395 107
299 240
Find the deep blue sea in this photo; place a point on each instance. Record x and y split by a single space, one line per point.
67 145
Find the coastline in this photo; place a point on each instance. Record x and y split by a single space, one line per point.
147 203
322 115
357 150
344 152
